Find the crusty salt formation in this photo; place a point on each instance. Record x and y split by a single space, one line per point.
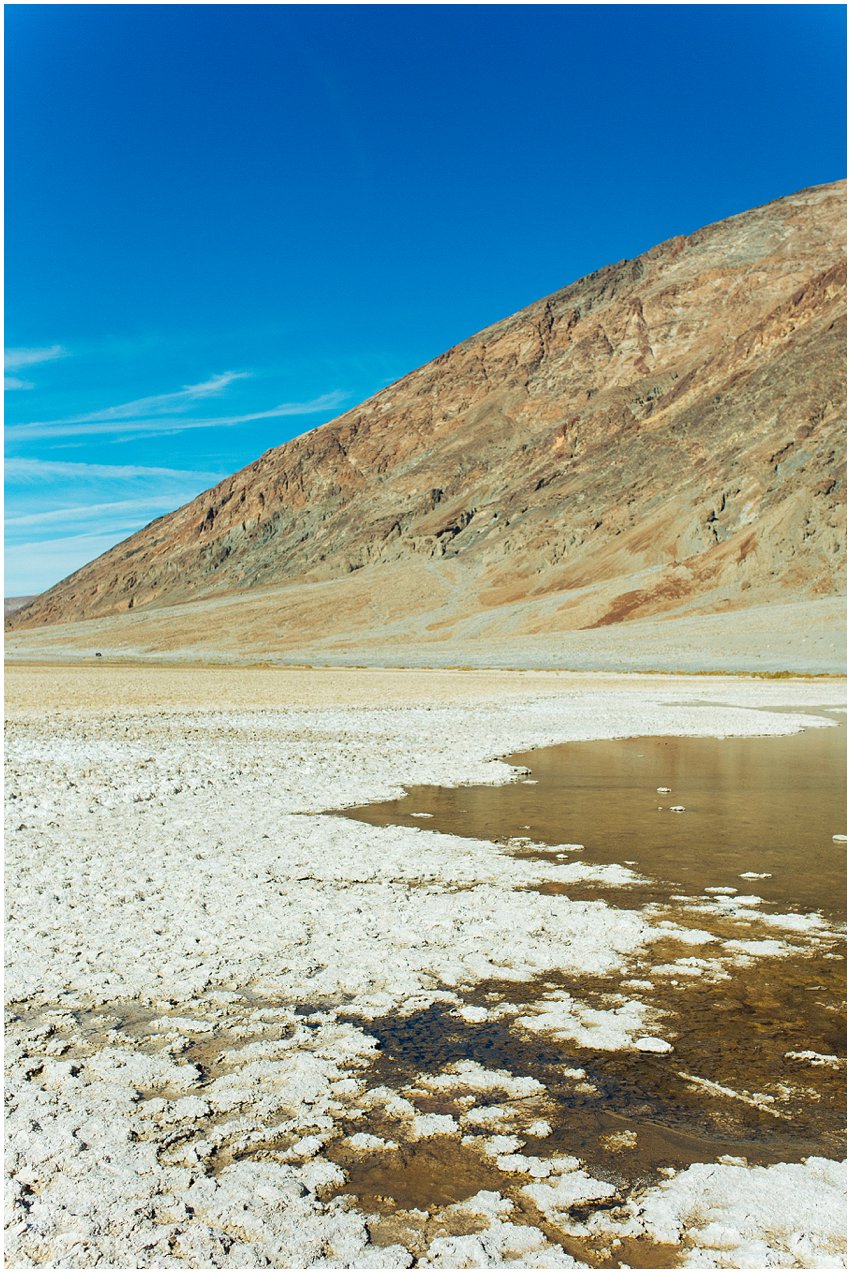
203 965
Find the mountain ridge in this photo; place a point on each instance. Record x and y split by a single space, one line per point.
662 436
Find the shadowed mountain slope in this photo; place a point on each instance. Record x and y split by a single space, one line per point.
662 438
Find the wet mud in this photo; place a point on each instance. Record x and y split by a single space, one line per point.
733 1034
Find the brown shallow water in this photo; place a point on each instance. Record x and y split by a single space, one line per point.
734 1033
728 1087
767 805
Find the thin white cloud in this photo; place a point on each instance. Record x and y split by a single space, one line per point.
14 382
142 428
82 509
93 512
157 403
25 471
32 567
15 358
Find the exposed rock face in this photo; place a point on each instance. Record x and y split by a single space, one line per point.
664 436
11 604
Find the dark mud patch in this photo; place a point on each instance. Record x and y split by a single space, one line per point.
727 1087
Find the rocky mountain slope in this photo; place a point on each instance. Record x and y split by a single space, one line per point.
662 438
11 604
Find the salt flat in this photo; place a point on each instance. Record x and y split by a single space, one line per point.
196 949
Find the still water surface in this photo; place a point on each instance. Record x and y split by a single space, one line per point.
767 805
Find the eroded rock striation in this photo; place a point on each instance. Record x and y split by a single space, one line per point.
662 437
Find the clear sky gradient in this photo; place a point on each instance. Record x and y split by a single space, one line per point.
226 224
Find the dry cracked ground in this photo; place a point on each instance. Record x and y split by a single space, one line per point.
246 1032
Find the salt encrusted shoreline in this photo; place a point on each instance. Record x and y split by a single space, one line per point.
169 901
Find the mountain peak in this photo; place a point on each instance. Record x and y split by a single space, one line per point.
662 437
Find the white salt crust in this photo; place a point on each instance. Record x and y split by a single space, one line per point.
171 908
722 1215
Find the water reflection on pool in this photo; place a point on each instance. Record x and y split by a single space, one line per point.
765 807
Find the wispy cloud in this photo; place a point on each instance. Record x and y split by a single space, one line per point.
92 513
75 535
13 359
30 568
159 403
28 472
51 502
62 513
88 426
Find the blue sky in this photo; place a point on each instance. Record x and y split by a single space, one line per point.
227 224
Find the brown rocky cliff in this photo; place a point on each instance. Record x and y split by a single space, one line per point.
664 434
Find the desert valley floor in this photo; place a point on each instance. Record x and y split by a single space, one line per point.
246 1031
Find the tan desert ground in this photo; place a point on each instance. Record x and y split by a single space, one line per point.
254 1023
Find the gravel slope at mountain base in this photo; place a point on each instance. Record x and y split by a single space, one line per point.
195 964
270 627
